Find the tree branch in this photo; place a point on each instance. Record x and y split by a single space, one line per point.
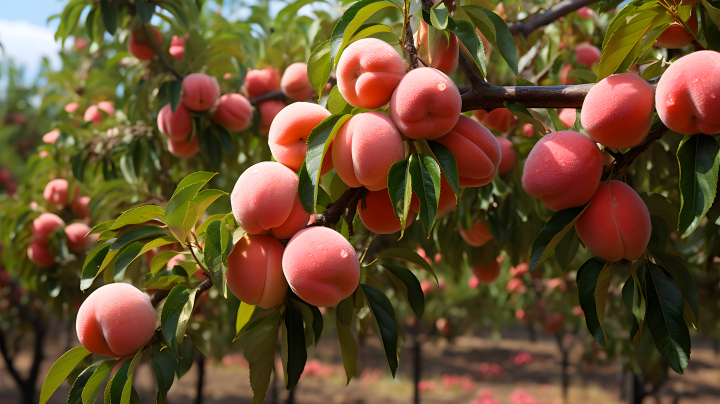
272 95
158 51
344 208
410 47
529 25
623 161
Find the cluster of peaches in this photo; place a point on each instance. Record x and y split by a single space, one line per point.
57 194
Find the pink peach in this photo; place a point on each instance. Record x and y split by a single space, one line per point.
476 150
234 112
290 130
295 83
255 273
200 91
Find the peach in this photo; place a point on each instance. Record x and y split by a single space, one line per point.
568 116
259 82
80 207
379 215
508 155
442 52
618 111
519 270
565 78
676 36
365 148
234 112
255 273
177 47
93 112
521 315
40 255
688 94
426 104
427 286
500 119
616 225
289 132
268 112
553 323
528 130
443 326
587 54
447 201
176 260
140 45
80 44
320 266
200 91
184 149
115 320
265 200
473 282
476 150
585 13
75 236
563 170
486 274
295 83
516 285
56 191
367 73
51 137
176 126
44 154
478 235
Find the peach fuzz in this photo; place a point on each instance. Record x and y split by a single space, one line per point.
442 52
587 54
115 320
500 119
676 36
563 169
568 116
200 91
687 97
51 137
176 125
268 111
234 113
80 207
365 148
426 104
93 112
616 225
76 239
379 215
508 155
476 150
618 111
320 266
184 149
140 45
44 225
367 73
486 274
295 83
259 82
255 273
40 255
265 200
56 191
290 130
478 235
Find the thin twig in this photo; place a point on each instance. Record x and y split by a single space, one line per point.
536 21
623 161
158 51
272 95
344 208
410 47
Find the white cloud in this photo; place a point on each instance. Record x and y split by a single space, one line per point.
26 44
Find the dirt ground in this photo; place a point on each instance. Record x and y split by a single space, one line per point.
470 368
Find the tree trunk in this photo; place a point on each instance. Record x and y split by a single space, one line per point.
565 363
637 389
200 360
26 386
417 366
291 396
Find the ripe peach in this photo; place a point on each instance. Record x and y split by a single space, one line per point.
587 54
427 286
476 150
259 82
478 235
51 137
508 155
115 320
295 83
367 73
176 260
43 154
234 112
265 200
442 52
321 267
520 270
487 274
516 285
45 224
616 225
473 282
40 255
568 116
56 191
177 47
585 13
688 94
521 315
268 112
443 326
364 149
289 132
528 130
379 215
565 78
563 170
176 126
80 207
617 112
500 119
553 323
200 91
75 236
140 45
426 104
676 36
255 273
71 107
93 112
184 149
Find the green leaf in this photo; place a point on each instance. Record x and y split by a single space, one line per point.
175 88
448 164
567 249
496 32
425 175
260 354
664 318
176 313
699 159
164 364
352 19
593 282
245 312
60 371
685 282
319 66
124 259
91 267
409 256
336 104
128 390
466 34
292 351
145 10
608 5
384 316
584 75
400 190
215 261
348 346
439 17
186 357
713 10
75 395
662 207
631 299
552 233
160 260
370 29
178 207
409 286
140 234
259 315
138 215
92 387
109 15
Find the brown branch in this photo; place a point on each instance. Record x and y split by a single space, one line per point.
623 161
536 21
158 51
410 47
344 208
272 95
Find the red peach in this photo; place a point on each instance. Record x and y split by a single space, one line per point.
177 125
587 54
75 236
487 274
442 52
473 282
516 285
379 215
521 315
520 270
500 119
585 13
184 149
177 47
443 326
565 78
567 116
51 137
259 82
56 191
290 130
234 112
676 36
93 112
140 45
268 112
40 255
80 207
553 323
508 155
295 83
200 91
255 273
44 225
476 150
478 235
